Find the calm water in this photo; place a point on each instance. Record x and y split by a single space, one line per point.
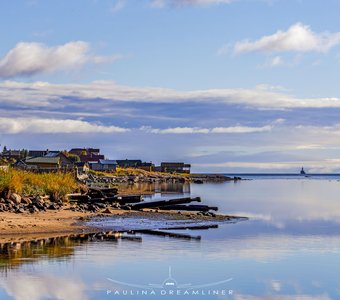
288 249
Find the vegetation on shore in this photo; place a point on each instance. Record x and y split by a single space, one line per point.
55 185
135 172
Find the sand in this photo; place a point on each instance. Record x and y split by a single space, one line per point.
26 227
22 227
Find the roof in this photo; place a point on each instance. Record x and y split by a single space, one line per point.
52 154
43 160
129 161
107 162
96 150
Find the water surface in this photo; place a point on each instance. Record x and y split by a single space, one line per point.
288 249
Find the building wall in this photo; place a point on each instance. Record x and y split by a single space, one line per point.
44 165
101 167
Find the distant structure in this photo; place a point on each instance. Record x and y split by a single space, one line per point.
87 154
135 164
302 172
103 165
129 163
175 167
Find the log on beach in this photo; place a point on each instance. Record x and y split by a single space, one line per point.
190 207
123 199
169 234
79 198
162 203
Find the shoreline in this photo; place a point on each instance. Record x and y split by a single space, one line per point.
27 227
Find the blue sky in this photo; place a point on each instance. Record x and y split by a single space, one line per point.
229 86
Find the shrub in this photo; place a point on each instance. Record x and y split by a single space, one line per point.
56 185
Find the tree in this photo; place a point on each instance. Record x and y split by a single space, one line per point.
4 149
23 153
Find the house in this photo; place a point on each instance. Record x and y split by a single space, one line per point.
12 154
44 163
87 154
82 167
37 153
147 166
129 163
20 164
65 162
103 165
175 167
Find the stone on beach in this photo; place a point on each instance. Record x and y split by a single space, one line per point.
15 198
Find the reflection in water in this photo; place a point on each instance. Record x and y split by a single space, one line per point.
289 249
161 188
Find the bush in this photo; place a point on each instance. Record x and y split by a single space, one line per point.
56 185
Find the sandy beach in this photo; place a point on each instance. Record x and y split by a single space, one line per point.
25 227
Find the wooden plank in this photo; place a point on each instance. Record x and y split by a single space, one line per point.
162 203
169 234
189 207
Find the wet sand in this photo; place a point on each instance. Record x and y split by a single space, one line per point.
26 227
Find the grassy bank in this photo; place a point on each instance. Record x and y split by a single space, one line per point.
136 172
55 185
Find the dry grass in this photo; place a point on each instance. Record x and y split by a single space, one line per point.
56 185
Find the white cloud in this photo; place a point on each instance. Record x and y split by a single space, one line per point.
117 6
163 3
46 94
298 38
27 59
275 61
176 130
34 125
241 129
198 130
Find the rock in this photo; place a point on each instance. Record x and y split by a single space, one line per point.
26 201
38 200
107 211
116 205
52 207
15 198
101 205
34 209
20 211
9 202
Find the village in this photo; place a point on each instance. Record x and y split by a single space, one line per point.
82 159
45 186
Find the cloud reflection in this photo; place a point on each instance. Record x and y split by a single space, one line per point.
26 287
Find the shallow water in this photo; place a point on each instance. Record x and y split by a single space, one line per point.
288 249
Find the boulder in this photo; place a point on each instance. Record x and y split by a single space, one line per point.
53 206
16 198
38 200
26 201
20 211
107 211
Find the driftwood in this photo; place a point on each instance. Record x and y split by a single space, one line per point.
97 195
162 203
128 199
169 234
79 198
190 207
191 227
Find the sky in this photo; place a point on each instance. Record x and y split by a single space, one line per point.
226 85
